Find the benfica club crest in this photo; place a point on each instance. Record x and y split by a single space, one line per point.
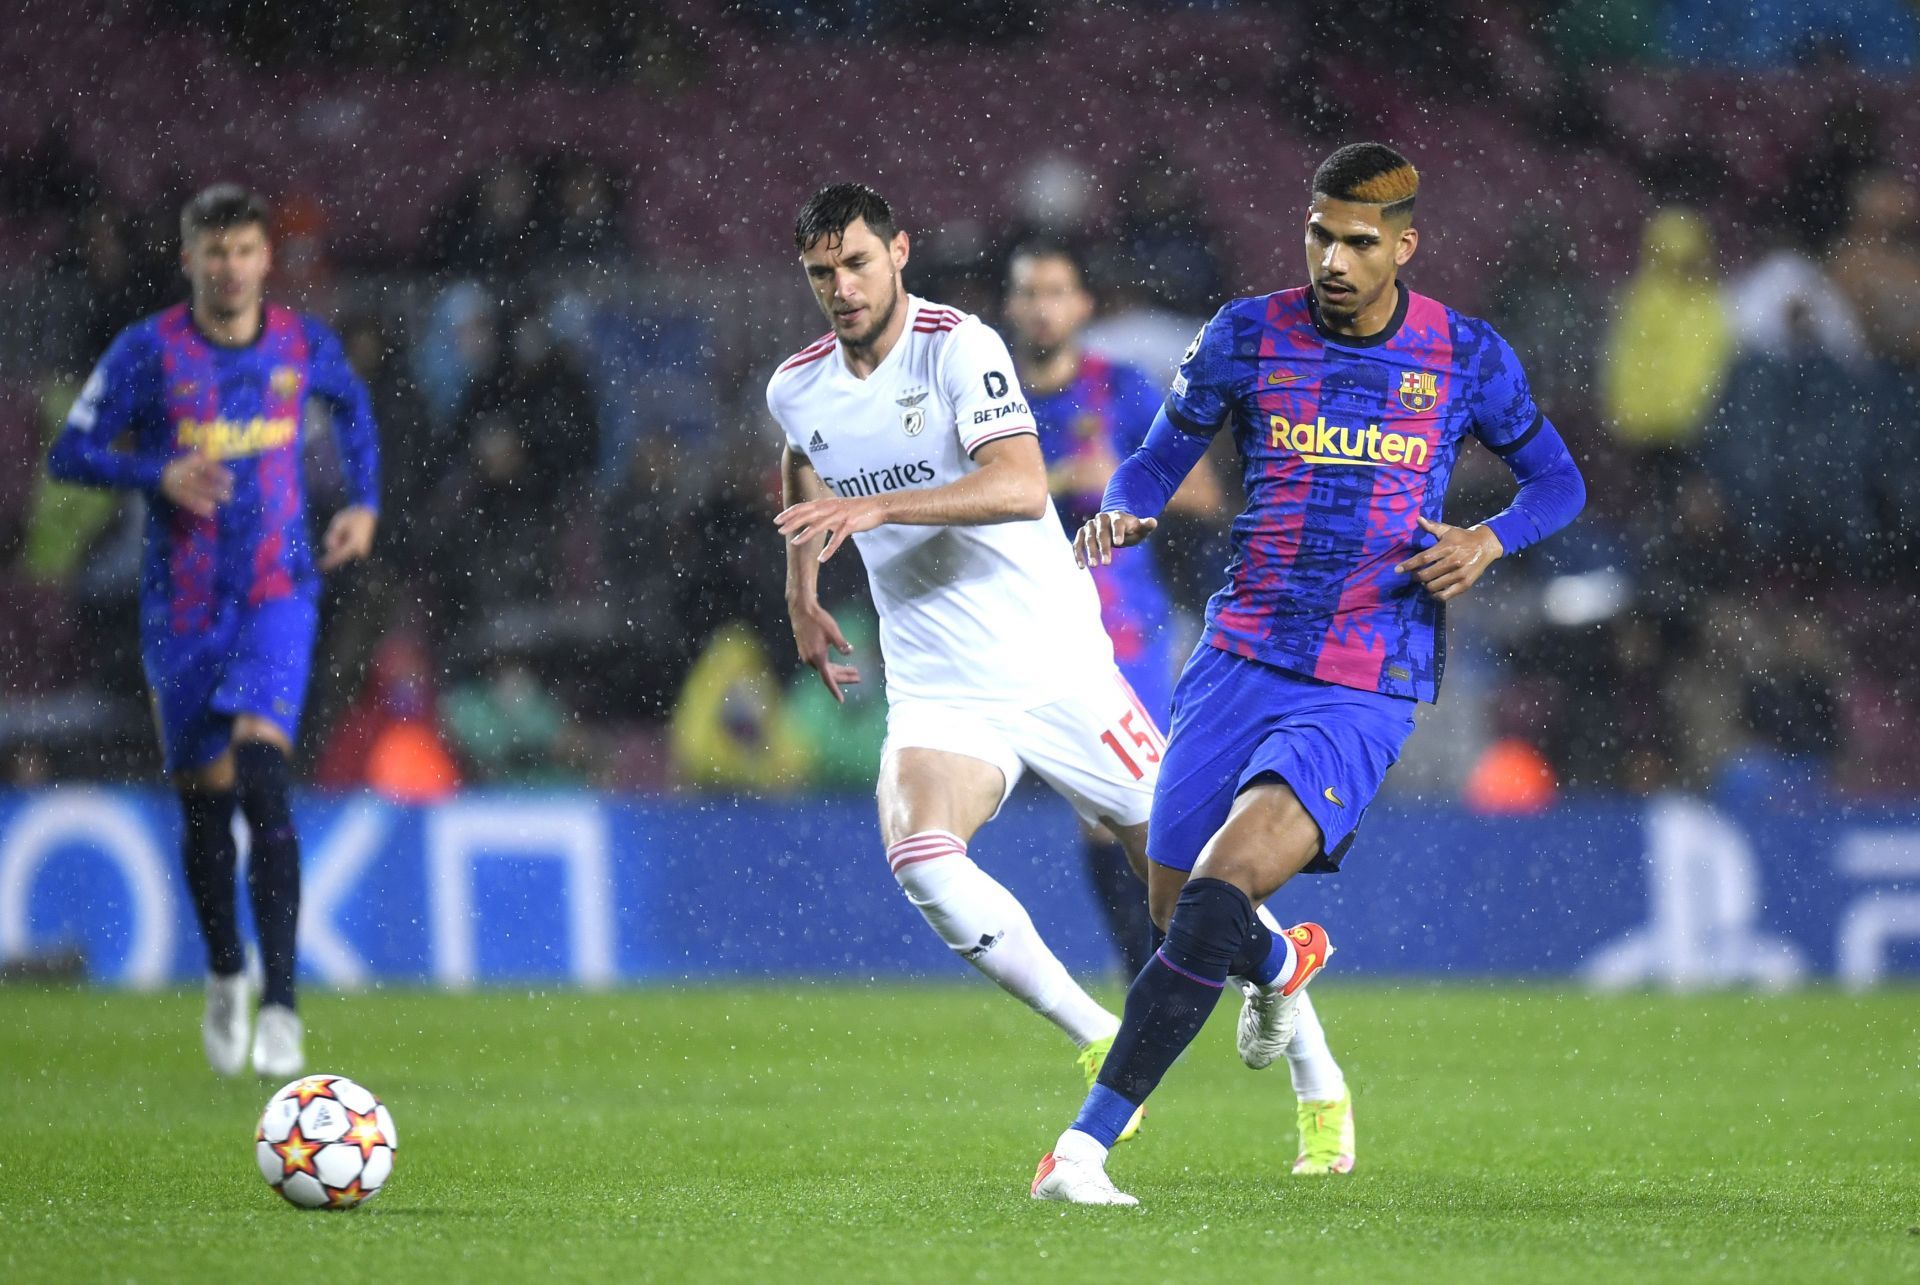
1419 390
912 418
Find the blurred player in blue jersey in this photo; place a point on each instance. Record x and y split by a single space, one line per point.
210 397
1349 399
1092 414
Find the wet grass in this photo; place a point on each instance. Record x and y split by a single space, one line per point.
888 1134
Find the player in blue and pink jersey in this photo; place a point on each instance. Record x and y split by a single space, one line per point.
211 396
1348 399
1092 414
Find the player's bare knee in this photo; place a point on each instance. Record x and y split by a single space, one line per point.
251 727
923 790
216 777
1267 839
1163 893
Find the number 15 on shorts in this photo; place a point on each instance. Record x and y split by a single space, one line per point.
1132 743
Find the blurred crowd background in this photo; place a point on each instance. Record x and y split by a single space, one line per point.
555 238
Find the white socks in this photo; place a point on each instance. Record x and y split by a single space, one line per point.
1280 935
1316 1076
988 927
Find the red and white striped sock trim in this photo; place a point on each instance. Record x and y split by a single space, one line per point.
925 845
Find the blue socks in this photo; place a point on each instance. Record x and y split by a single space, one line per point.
1169 1002
1264 956
207 856
273 869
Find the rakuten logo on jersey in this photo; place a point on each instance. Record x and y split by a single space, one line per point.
874 481
1319 442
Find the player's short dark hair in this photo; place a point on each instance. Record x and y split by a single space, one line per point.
1370 174
220 207
1048 247
833 209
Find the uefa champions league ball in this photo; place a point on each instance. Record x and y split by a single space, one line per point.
325 1143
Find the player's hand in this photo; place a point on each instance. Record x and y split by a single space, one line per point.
1458 557
1105 532
349 536
197 483
818 636
838 518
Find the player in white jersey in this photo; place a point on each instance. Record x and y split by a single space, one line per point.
906 431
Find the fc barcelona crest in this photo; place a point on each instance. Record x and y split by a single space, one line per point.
1419 390
285 381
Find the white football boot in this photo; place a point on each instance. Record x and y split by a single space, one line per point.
1075 1172
223 1029
1267 1018
277 1051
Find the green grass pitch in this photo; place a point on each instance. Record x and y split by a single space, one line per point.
889 1134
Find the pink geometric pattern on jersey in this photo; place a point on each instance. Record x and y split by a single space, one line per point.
192 392
1086 421
1354 651
1276 487
279 469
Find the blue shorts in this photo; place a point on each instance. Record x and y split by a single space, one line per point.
1236 721
254 660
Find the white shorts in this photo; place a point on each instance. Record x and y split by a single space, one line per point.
1097 748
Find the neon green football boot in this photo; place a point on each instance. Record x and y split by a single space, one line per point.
1092 1058
1326 1136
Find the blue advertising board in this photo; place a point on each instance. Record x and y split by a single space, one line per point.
594 890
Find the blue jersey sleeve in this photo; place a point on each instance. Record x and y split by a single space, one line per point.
1147 479
109 404
1504 415
1552 492
334 382
1203 392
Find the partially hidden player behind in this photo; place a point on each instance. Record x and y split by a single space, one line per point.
1348 399
210 396
1092 414
906 431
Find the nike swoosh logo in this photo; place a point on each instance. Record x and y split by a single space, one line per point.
1277 378
1332 797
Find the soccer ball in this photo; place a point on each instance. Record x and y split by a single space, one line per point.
325 1143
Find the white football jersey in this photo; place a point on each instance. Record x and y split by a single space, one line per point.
988 612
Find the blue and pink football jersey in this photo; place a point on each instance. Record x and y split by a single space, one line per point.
1343 442
1104 414
173 392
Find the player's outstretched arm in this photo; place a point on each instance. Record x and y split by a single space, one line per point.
1551 494
1009 486
86 453
349 536
816 635
1141 487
